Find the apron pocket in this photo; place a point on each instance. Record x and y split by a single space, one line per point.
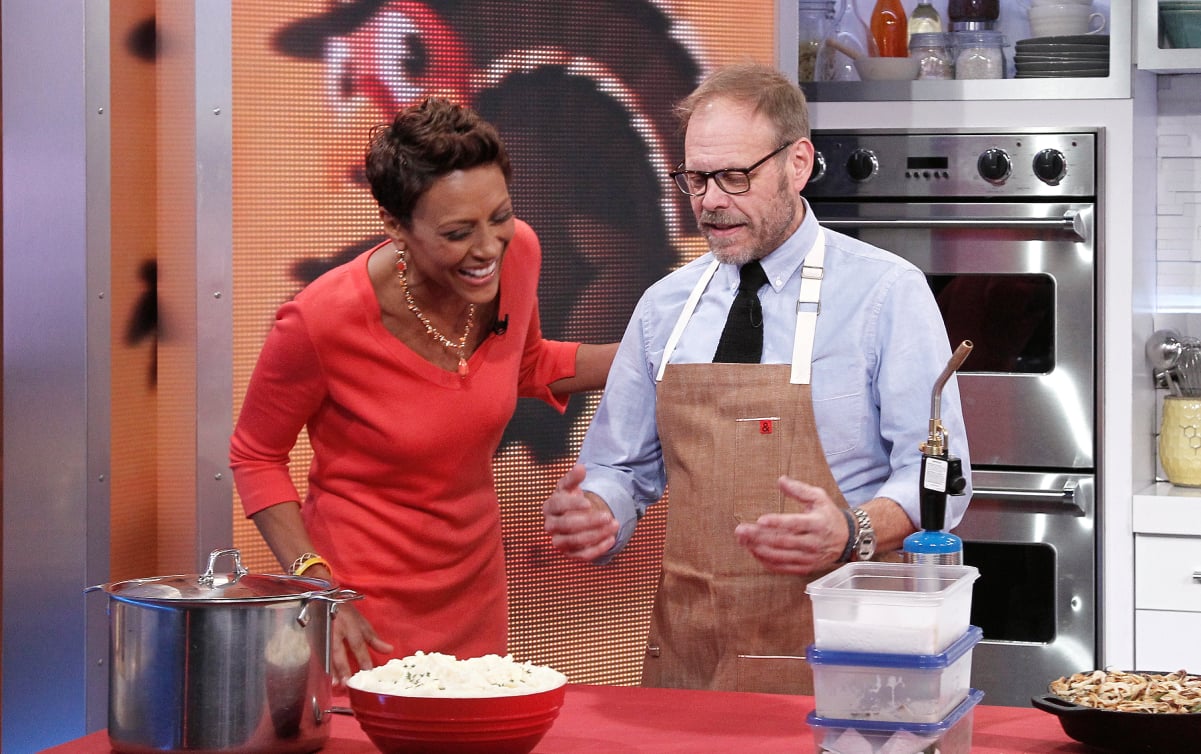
758 443
773 674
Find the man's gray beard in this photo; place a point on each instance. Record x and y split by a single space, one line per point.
783 212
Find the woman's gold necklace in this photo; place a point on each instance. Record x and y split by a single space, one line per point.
461 346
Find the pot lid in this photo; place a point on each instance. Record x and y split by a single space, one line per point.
241 585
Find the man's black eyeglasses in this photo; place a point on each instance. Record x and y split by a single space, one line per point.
729 180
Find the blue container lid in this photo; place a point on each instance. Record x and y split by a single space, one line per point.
970 638
922 729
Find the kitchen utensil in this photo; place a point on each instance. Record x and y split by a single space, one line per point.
235 662
1163 349
456 725
1127 732
1065 19
941 475
1187 370
887 69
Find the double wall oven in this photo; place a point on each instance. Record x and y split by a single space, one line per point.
1004 226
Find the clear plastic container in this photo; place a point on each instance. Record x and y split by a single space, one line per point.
901 608
951 735
891 687
933 53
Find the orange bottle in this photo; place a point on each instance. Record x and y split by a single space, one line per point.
890 29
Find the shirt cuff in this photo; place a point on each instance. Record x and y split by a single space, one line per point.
624 508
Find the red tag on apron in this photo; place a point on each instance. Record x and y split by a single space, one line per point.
765 426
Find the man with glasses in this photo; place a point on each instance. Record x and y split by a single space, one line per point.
780 383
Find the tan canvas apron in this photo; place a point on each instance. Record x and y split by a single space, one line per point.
721 620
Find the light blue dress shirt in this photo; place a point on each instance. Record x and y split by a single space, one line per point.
879 348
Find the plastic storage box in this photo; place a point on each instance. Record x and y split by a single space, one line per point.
891 687
951 735
897 608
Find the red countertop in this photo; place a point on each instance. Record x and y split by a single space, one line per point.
635 720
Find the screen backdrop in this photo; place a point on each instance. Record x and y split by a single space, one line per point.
581 91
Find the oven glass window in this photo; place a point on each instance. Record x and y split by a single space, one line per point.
1014 598
1009 319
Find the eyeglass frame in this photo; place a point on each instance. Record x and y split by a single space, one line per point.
716 174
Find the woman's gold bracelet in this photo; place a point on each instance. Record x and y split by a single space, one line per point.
307 561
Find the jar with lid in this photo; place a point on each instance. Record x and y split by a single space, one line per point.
826 51
933 53
815 20
979 55
973 14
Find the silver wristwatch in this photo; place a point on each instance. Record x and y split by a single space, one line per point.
865 535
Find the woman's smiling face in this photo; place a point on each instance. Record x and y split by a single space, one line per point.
460 230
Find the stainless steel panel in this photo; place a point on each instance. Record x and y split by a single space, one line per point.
1028 510
56 369
1043 420
925 165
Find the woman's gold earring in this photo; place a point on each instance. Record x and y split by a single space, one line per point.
401 264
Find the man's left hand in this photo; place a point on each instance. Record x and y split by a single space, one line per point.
798 543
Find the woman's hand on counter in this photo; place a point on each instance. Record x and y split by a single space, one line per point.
353 636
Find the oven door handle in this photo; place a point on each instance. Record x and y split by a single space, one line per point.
1049 501
1073 221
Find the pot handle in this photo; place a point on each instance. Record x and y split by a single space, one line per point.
334 598
206 578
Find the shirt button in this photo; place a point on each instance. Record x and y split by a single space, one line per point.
779 282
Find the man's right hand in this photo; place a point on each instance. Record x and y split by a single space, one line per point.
580 524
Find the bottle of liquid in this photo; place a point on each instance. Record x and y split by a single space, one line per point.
924 19
890 30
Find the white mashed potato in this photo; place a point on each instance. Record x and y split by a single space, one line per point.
437 674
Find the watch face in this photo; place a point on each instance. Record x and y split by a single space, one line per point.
866 546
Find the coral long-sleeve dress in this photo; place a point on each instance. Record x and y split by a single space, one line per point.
401 499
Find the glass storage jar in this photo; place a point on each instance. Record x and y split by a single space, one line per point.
933 53
979 55
827 51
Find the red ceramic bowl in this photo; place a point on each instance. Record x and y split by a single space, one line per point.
448 725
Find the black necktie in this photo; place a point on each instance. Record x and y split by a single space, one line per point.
742 339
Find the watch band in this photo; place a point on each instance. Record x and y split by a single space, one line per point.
865 538
845 557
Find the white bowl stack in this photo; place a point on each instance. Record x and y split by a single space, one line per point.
1063 18
892 657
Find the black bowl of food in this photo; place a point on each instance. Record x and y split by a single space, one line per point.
1133 711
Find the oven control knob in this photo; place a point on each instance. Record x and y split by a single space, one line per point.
819 167
1050 166
862 165
994 165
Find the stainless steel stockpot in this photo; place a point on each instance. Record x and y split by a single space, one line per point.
223 663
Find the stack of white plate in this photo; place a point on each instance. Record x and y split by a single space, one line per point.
1076 56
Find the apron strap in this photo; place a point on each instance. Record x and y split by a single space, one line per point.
808 306
682 321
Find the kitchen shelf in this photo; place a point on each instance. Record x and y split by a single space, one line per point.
1115 86
1153 57
1164 508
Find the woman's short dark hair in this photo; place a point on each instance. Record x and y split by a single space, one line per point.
424 143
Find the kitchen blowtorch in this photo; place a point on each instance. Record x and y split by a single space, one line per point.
941 475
